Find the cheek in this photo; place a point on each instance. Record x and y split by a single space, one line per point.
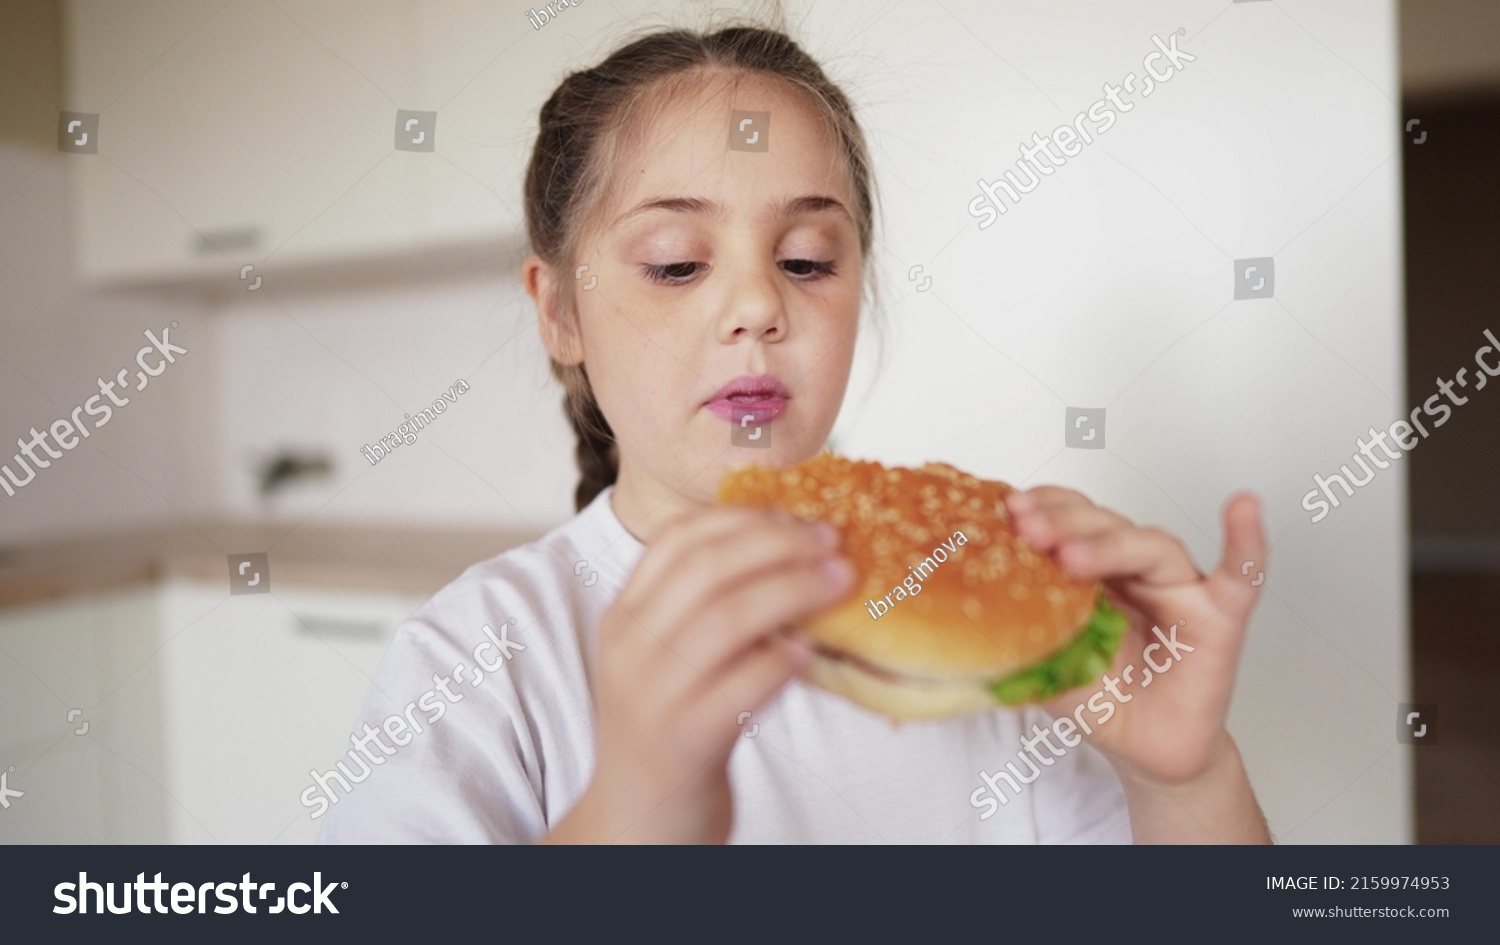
826 361
635 374
620 337
652 327
831 334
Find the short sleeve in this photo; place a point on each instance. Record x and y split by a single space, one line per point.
1080 799
487 683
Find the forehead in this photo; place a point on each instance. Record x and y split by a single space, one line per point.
681 140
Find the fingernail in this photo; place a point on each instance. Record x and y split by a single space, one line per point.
1019 502
1033 527
838 571
800 645
800 651
828 536
1072 556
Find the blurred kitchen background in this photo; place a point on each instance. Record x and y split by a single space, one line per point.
252 179
1451 90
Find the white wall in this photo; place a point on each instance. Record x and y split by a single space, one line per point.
1110 285
56 341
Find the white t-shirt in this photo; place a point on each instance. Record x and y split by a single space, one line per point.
500 752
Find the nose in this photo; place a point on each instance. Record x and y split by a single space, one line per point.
753 308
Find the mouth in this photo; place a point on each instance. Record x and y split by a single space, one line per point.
758 399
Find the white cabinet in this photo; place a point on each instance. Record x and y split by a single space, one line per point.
205 711
60 664
251 133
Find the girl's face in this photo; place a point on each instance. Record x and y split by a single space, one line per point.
721 328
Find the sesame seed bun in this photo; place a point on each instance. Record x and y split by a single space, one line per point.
986 604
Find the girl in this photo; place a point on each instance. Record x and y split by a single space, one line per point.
639 689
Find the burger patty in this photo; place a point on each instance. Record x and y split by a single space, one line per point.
881 672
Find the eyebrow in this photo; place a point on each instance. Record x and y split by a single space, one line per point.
795 206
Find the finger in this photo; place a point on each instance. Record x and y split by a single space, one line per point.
751 681
649 616
671 663
1245 552
742 618
1045 527
641 661
1044 497
680 540
724 563
1148 555
684 546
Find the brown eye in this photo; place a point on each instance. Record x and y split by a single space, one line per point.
807 269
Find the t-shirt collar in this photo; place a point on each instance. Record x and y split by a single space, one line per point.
608 545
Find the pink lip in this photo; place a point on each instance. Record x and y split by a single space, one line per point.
761 398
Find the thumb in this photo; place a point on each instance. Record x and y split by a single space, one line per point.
1242 570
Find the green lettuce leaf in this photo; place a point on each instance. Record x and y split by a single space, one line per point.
1076 664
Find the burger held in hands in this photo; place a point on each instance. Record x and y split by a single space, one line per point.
951 611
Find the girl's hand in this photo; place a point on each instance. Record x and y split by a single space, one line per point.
1168 728
693 641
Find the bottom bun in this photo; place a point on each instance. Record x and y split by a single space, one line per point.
901 699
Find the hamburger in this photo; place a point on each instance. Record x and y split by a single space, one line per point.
951 610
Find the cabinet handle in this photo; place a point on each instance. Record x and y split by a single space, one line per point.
339 627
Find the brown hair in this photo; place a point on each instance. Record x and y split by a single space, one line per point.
579 139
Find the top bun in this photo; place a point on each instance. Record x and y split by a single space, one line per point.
988 607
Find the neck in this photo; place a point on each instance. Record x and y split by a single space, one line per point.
645 506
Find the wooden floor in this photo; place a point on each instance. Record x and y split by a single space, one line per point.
1456 666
